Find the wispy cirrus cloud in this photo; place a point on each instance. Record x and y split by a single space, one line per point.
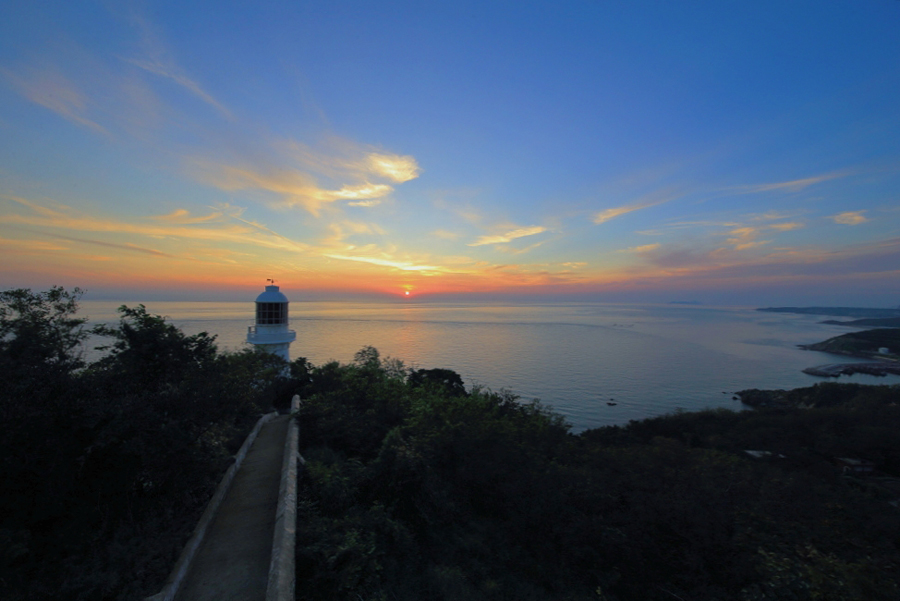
508 236
157 59
26 245
184 217
126 246
50 89
642 249
648 200
745 237
518 251
223 228
785 227
850 218
607 214
339 232
789 186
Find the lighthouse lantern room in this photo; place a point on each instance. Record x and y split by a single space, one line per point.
271 332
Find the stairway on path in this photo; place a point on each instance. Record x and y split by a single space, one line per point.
232 562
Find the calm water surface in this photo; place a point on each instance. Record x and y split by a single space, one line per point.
576 357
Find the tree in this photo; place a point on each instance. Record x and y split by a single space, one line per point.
445 379
40 340
149 354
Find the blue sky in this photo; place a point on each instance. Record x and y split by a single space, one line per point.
736 152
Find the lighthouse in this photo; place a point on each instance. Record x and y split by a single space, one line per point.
271 331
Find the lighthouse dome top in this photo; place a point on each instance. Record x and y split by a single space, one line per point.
271 295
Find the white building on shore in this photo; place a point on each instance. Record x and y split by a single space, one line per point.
271 332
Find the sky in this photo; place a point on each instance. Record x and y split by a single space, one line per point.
602 150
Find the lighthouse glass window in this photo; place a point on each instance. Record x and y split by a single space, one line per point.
271 313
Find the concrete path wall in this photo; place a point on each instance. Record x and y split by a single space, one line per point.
243 546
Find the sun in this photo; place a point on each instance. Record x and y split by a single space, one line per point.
406 293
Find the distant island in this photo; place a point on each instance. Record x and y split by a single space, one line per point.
862 312
693 302
881 345
865 344
876 322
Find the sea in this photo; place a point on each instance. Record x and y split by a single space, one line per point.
596 364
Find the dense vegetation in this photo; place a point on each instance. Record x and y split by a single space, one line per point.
417 488
107 467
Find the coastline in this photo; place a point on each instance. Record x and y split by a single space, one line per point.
834 370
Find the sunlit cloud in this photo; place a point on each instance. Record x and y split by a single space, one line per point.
445 235
292 170
405 266
358 192
508 236
850 218
394 167
339 158
294 188
51 90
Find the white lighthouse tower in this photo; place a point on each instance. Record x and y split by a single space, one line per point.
271 331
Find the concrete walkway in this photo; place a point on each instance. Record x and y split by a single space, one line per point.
233 561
